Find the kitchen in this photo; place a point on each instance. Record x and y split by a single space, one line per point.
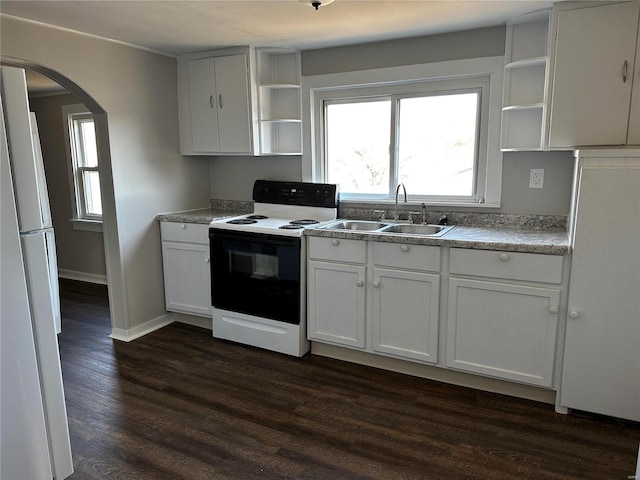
161 180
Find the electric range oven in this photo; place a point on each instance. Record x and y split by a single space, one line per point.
258 288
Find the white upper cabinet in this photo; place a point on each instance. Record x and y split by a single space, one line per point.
214 95
241 101
592 73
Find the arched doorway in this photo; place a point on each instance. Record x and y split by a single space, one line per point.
110 229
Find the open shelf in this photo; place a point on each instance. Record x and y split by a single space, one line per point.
525 71
279 101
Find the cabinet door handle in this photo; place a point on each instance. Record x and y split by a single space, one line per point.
360 283
211 101
625 67
376 284
503 257
206 260
335 242
404 248
573 314
220 100
553 309
183 226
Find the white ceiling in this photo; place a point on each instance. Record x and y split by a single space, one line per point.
174 27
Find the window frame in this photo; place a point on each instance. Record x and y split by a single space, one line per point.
79 217
484 73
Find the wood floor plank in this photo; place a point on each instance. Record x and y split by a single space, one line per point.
179 404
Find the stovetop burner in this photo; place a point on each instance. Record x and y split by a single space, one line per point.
290 226
304 221
242 221
257 217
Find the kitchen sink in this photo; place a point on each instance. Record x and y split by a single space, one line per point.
362 225
392 228
415 229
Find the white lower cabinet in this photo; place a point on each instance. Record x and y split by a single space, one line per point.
185 260
500 328
404 317
336 304
374 296
503 330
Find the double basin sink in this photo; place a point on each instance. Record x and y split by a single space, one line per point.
383 227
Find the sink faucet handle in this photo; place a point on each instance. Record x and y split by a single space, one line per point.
379 213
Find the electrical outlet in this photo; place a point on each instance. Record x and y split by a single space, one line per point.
536 178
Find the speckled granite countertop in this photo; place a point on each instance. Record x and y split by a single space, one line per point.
204 215
513 239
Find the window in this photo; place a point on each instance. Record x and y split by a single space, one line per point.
430 133
80 137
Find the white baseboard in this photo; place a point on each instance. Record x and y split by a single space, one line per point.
82 276
157 323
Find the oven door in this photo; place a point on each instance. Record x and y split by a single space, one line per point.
256 274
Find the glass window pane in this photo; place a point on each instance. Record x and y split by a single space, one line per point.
88 138
357 143
437 144
91 183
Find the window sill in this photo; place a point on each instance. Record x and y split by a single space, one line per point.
86 225
353 203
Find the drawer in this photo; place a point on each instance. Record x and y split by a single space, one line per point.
416 257
185 232
338 249
531 267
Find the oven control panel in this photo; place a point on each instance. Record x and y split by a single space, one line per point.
296 193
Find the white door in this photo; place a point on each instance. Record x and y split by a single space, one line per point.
602 347
405 314
336 303
187 278
232 84
590 97
203 106
503 330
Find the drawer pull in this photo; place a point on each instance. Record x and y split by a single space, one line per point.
206 260
503 257
573 314
376 284
183 226
335 242
553 309
404 248
360 283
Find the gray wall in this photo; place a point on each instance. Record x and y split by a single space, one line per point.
138 92
232 177
78 251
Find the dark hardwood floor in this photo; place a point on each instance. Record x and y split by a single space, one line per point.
177 404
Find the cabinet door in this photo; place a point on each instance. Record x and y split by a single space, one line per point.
602 347
590 98
232 86
187 278
202 103
503 330
405 314
336 303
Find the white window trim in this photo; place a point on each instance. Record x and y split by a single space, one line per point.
88 223
314 87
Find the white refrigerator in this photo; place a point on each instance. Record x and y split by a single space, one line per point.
34 433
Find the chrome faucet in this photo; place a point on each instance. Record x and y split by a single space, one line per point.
424 214
396 215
